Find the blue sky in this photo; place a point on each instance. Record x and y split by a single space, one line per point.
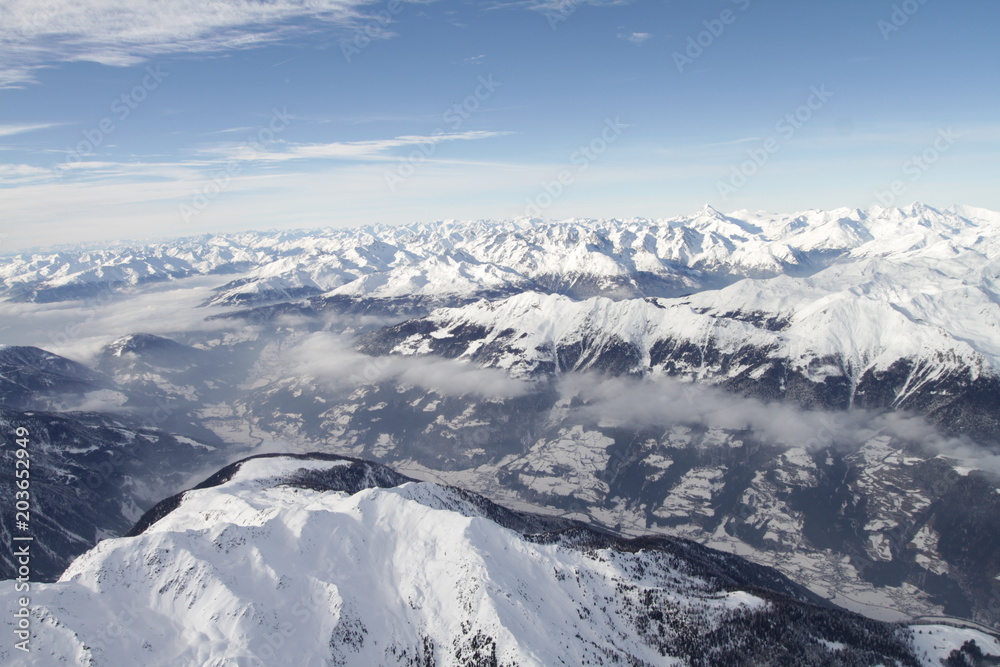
133 120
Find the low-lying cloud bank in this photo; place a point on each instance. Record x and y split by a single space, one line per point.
79 329
637 403
663 402
330 358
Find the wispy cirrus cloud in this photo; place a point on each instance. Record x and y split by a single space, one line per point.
121 33
12 175
561 5
21 128
192 170
376 149
22 170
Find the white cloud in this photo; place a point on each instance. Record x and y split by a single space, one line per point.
330 358
15 76
21 171
123 32
10 129
354 150
192 172
79 329
564 6
665 402
105 203
635 37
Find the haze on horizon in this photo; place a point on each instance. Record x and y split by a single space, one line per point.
134 121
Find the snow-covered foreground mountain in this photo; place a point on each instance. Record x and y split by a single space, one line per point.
862 507
312 560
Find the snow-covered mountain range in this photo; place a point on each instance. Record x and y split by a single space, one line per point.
452 260
818 391
315 560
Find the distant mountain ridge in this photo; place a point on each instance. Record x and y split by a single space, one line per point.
579 258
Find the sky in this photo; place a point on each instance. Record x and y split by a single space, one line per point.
125 120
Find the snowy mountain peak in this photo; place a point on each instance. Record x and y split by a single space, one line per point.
273 564
629 257
137 343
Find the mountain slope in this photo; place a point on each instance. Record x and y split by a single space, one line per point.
92 476
859 507
298 559
34 378
101 452
916 333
